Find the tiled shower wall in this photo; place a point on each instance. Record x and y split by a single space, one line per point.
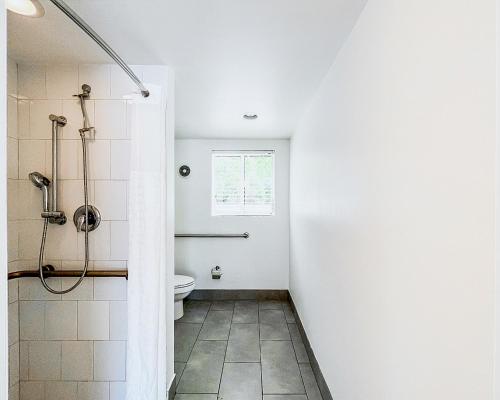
71 346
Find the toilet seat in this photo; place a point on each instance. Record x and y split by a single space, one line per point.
183 283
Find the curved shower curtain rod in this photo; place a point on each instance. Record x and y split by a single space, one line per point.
96 38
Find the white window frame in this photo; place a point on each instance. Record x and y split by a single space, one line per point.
242 153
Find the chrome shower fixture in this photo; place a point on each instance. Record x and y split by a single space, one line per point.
87 217
42 183
54 215
86 89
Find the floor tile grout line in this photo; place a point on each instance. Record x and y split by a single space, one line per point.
196 340
225 352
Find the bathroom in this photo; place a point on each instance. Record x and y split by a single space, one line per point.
229 200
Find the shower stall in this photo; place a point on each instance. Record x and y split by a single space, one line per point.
69 196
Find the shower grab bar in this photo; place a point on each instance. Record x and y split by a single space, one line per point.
245 235
71 14
115 273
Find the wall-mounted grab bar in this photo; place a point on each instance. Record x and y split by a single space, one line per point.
115 273
71 14
245 235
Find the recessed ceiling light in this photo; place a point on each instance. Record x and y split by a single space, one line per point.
28 8
250 116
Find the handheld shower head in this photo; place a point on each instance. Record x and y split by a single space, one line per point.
86 89
38 180
42 183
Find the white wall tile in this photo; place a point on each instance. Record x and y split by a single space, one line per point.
120 159
99 160
13 266
73 112
31 157
69 151
110 289
121 84
12 158
72 195
119 240
11 77
12 117
32 320
40 125
110 264
13 323
76 264
29 239
118 320
110 119
62 81
77 361
117 390
109 360
84 291
32 391
12 195
13 290
62 241
24 360
61 320
12 241
98 77
31 81
30 200
14 364
111 199
32 289
93 320
60 390
14 392
93 390
100 242
44 361
23 119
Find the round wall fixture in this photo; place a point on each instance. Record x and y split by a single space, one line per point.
250 116
184 171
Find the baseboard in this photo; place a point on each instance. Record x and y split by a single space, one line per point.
251 294
320 379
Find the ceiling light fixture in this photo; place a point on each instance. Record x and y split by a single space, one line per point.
250 116
28 8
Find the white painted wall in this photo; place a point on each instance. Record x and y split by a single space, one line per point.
260 262
395 234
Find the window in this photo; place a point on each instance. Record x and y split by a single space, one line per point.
243 183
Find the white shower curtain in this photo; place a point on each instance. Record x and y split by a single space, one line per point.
147 283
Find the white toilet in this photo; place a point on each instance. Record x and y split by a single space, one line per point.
183 286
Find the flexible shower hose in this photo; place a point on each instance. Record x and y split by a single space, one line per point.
46 223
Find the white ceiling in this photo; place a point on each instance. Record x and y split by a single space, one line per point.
230 56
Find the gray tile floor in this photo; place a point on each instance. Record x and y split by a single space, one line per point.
241 350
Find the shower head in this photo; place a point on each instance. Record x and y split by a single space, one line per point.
39 180
42 183
86 89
